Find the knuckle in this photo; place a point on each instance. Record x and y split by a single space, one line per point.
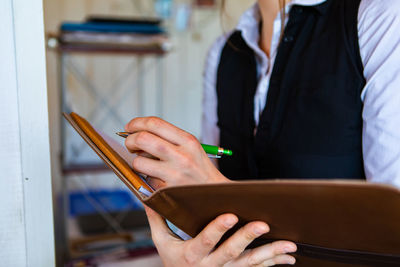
248 232
191 139
277 248
252 260
206 240
231 252
141 138
161 148
220 226
192 142
128 143
153 122
189 256
249 236
274 261
189 260
136 163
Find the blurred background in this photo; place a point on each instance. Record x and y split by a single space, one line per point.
111 61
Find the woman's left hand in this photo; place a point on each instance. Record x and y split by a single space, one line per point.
179 158
200 251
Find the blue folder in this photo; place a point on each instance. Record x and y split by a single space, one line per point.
112 27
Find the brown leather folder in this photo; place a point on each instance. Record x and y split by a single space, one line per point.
333 223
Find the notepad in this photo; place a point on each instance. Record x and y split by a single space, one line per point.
333 223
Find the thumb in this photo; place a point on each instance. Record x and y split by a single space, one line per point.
159 230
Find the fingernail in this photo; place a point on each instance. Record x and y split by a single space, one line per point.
292 261
259 230
229 222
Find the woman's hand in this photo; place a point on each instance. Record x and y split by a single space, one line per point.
178 157
200 251
175 157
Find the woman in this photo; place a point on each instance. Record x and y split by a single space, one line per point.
317 100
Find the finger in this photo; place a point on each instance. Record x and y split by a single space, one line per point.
205 242
151 167
151 144
160 232
158 127
277 260
146 155
237 243
156 183
269 251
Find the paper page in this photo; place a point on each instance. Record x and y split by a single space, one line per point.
120 148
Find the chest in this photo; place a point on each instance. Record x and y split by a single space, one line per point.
313 100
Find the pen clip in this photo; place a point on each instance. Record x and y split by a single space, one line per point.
213 156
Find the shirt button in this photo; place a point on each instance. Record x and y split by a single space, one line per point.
288 39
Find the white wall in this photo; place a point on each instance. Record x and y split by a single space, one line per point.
26 228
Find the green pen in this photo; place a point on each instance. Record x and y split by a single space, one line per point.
217 151
212 150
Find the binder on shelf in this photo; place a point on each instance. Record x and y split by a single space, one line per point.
125 20
114 35
112 27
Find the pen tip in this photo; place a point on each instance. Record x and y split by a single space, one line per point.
122 134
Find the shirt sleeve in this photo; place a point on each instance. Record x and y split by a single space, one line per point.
209 129
379 39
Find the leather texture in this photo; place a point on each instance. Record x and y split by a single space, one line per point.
334 223
338 221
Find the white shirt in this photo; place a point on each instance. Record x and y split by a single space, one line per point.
379 41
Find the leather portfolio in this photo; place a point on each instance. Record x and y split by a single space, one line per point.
333 223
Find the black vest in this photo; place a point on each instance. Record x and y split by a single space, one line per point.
311 126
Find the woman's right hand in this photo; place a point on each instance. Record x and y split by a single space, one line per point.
200 251
169 154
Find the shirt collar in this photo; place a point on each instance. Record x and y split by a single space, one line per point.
252 16
249 22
